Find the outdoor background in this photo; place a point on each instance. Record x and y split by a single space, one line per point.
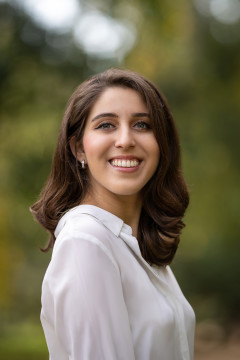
191 50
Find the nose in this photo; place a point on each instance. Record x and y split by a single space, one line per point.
124 138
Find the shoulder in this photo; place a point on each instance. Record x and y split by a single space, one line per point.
85 234
82 225
90 219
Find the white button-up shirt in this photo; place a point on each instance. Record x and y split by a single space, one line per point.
102 301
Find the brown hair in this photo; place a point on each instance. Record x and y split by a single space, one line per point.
165 196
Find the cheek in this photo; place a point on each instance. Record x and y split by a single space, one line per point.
94 146
87 142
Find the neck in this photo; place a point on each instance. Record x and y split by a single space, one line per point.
127 208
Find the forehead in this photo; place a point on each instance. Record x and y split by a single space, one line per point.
118 99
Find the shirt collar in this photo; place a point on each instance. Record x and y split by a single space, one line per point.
112 222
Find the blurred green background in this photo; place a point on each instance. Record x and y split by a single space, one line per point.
191 50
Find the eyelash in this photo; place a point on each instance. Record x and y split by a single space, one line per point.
143 123
140 124
104 126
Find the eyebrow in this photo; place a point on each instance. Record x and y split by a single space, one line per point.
141 115
113 115
104 115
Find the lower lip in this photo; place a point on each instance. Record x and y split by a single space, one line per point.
125 169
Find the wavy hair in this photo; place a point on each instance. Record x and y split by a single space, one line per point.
165 196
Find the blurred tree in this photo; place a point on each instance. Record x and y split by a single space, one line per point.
194 57
36 81
195 61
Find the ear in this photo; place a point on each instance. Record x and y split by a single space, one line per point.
77 149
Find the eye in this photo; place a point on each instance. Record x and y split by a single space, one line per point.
142 125
105 126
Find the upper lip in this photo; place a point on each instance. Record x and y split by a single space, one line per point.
125 157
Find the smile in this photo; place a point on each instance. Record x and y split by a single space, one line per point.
125 163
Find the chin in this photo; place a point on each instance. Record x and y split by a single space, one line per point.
126 192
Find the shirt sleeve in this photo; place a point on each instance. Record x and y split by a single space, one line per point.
84 315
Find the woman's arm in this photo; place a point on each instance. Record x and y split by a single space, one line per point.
83 310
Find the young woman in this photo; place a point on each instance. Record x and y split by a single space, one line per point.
113 205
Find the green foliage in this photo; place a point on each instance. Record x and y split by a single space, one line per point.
33 97
24 341
200 77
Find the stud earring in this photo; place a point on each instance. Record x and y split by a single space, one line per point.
83 164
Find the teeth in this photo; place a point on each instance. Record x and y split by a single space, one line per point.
124 163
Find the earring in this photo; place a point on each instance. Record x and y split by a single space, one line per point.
83 164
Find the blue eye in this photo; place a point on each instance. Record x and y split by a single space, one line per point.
105 125
142 125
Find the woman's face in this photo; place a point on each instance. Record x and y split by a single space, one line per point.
119 147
